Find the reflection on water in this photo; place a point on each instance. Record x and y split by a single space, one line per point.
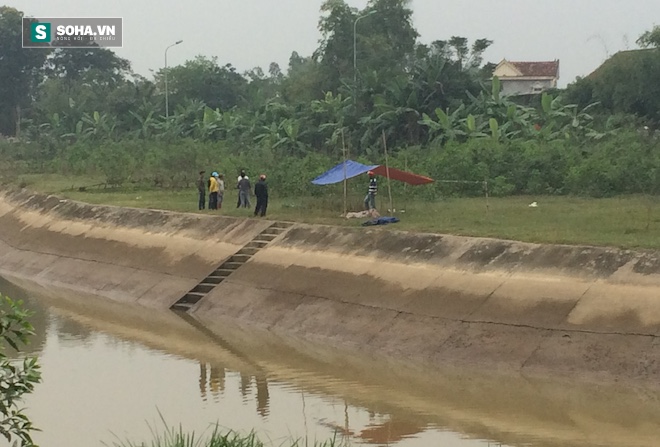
110 371
101 388
212 380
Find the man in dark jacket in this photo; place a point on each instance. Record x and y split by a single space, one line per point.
201 188
261 192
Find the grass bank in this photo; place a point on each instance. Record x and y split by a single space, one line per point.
626 222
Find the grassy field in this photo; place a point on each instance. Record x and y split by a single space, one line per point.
627 222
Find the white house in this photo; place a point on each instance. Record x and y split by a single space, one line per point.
527 78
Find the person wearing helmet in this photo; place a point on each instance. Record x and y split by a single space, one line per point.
214 187
261 192
370 198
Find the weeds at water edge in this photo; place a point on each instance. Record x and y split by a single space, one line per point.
176 437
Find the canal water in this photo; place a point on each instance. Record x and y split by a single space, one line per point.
114 374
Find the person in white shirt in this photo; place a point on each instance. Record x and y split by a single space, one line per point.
221 189
241 175
244 188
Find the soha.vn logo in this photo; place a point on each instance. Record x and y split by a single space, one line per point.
41 31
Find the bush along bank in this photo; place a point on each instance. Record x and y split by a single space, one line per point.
625 163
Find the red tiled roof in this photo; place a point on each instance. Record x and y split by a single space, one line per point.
545 69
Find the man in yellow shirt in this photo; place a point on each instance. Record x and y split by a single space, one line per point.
214 187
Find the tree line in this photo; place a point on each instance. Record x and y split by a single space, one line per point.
420 99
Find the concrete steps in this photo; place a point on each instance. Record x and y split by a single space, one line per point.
230 265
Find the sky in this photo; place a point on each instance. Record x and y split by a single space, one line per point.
251 33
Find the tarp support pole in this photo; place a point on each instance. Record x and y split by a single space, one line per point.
343 143
387 169
486 190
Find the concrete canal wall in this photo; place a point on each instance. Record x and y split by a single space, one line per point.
479 405
152 257
441 300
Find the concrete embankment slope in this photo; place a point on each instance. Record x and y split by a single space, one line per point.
149 256
453 300
442 300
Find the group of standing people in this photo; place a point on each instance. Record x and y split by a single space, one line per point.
216 188
216 184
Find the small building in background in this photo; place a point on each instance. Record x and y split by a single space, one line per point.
527 78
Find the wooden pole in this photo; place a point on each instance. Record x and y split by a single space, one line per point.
343 143
405 166
387 170
18 121
486 191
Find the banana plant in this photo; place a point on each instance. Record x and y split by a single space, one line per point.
557 121
172 128
447 128
397 120
187 117
147 125
494 129
77 133
209 125
328 119
474 129
291 138
268 135
69 121
234 124
54 125
99 126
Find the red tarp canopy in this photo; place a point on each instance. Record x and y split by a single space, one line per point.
402 176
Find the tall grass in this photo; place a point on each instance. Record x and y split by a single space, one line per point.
177 437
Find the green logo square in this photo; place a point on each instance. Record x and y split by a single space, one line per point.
40 32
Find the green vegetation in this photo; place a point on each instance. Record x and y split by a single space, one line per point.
628 222
625 163
624 86
412 93
173 437
17 378
84 126
83 115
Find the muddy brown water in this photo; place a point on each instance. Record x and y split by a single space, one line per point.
111 374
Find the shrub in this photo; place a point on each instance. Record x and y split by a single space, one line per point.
17 379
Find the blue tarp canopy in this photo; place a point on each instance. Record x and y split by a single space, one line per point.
353 169
336 174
